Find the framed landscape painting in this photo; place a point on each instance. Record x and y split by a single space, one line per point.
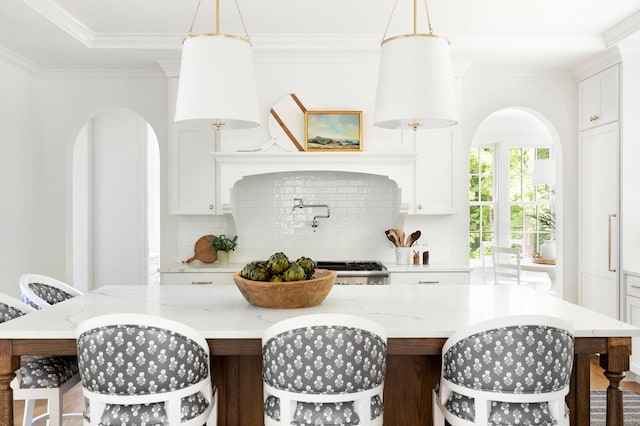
336 131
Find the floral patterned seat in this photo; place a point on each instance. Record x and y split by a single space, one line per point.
41 377
40 291
144 370
507 371
323 370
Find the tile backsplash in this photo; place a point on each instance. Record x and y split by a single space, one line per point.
362 206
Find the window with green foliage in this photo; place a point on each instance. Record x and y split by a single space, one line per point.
525 208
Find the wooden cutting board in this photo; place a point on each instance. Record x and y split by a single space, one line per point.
203 252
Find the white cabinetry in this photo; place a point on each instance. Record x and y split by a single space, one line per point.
632 284
599 98
599 194
191 166
436 172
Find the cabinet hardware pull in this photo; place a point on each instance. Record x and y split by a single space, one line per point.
429 282
611 216
419 206
634 286
210 206
201 282
594 117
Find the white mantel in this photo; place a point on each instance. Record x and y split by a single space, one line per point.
233 166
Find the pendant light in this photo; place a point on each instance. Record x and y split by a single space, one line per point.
217 84
415 80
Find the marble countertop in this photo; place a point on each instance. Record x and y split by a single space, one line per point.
406 311
633 271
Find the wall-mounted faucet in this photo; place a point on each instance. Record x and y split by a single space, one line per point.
299 204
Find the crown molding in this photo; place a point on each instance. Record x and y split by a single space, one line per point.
597 63
622 30
20 61
62 19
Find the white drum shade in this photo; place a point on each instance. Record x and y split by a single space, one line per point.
415 83
544 172
217 83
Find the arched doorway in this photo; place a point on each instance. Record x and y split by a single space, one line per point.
116 191
510 202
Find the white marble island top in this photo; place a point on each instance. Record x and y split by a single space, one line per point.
406 311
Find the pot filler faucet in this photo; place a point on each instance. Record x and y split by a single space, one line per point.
299 204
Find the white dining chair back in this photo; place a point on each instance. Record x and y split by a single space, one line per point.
40 377
137 367
41 291
324 369
509 370
506 265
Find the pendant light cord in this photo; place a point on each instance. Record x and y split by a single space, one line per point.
244 27
395 3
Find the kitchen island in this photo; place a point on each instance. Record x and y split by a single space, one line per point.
418 320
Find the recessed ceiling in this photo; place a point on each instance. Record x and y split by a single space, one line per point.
125 34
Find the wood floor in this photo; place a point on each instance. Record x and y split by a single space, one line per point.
73 398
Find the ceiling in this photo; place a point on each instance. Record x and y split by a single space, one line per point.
137 34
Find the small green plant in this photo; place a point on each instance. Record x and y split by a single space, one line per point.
548 221
224 243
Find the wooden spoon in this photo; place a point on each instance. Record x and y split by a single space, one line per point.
393 237
390 237
400 235
411 239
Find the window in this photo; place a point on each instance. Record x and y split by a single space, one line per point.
503 203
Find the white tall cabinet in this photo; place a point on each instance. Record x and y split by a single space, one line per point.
599 210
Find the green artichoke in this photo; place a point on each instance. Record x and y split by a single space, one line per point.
308 265
277 278
246 271
294 273
260 273
278 263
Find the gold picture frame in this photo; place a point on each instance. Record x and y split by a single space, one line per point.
336 131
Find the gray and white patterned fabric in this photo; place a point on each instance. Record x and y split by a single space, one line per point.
9 312
519 360
48 293
324 360
46 371
41 371
141 360
319 414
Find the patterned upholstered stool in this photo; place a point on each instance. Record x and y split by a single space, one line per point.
324 370
42 377
144 370
40 291
507 371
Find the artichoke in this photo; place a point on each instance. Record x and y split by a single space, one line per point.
246 271
277 278
278 263
294 273
308 265
261 272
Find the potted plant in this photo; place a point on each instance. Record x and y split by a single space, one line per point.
548 247
223 245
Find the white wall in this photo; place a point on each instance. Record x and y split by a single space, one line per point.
22 245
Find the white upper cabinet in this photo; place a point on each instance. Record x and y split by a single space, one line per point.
599 98
191 167
436 178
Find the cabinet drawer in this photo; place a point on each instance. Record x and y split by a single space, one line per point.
196 278
633 285
429 278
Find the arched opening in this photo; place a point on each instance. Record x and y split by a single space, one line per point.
115 201
511 203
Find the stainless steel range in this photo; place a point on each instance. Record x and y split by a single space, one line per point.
357 272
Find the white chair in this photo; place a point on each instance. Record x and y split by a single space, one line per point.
40 291
138 367
43 377
323 369
510 370
507 269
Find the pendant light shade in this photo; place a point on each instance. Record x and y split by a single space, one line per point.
217 83
415 82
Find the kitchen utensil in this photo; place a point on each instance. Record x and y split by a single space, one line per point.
411 239
400 235
203 251
391 237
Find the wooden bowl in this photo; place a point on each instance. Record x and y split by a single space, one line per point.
287 295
